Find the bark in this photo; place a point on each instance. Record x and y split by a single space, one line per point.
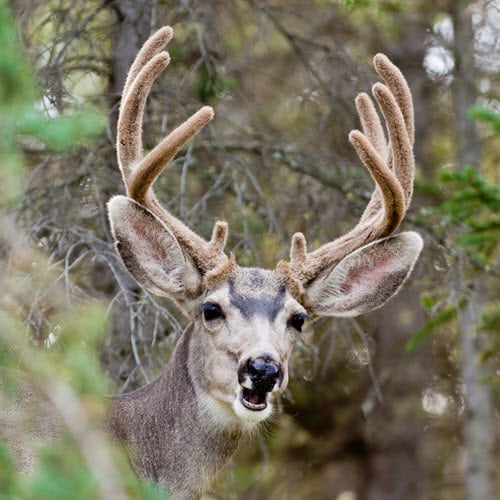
479 429
478 418
133 26
468 148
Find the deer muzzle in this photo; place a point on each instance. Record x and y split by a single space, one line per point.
258 377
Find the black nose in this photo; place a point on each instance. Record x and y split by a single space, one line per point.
264 372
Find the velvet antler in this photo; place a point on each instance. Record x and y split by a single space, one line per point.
391 166
139 172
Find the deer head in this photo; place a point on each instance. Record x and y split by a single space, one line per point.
245 321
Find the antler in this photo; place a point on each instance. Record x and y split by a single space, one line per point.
139 173
390 165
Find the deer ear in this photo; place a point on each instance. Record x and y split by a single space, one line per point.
367 278
150 252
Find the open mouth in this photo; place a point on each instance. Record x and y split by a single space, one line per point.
253 400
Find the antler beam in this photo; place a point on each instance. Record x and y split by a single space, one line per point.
391 166
140 172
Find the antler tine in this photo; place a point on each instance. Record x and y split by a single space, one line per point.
139 172
401 158
370 123
145 174
399 88
373 131
390 165
129 133
153 46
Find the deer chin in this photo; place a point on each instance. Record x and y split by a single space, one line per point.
230 409
252 406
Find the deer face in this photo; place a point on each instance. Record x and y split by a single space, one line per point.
249 326
246 320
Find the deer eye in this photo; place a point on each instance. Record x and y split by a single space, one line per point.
297 321
212 311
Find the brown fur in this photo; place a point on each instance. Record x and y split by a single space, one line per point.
167 431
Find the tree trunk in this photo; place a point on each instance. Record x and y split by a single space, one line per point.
468 148
479 429
478 418
132 28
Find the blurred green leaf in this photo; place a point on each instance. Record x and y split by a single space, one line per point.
487 116
18 97
440 319
61 132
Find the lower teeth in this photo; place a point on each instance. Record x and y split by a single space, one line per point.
253 400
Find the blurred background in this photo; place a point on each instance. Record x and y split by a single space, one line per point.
402 403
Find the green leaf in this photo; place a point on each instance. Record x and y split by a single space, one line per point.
61 132
442 318
488 116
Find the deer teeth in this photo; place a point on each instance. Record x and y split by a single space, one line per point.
254 400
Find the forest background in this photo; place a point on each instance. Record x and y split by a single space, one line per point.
400 403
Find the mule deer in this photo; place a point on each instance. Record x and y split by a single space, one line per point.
233 356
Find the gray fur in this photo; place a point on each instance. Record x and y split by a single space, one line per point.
164 428
183 427
260 301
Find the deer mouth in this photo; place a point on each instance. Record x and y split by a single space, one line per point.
254 400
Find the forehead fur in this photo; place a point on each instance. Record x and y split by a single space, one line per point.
253 282
255 292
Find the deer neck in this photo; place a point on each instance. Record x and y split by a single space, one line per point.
170 432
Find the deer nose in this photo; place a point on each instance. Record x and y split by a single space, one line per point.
264 372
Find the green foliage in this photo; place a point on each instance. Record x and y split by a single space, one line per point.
490 319
16 81
209 86
74 480
350 4
67 360
61 132
59 352
7 477
487 116
61 476
19 100
442 318
387 6
471 213
468 219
